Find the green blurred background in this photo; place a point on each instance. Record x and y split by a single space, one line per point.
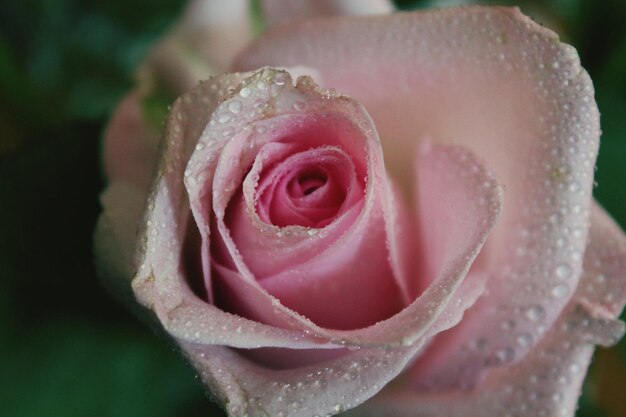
68 349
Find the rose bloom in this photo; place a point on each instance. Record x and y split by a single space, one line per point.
388 212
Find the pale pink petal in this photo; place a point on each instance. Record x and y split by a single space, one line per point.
547 381
276 11
130 159
203 43
476 203
130 145
160 280
506 88
337 289
116 236
604 281
161 284
245 388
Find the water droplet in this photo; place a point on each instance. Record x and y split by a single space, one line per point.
245 92
351 375
280 78
524 339
299 105
535 313
560 291
235 106
224 118
574 186
478 345
563 271
574 368
507 324
505 355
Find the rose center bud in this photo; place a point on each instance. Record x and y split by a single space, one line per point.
308 212
307 183
302 192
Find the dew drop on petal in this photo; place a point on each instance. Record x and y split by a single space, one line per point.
563 271
560 290
524 339
505 355
235 106
535 313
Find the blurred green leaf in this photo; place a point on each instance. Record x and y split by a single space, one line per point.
78 57
70 367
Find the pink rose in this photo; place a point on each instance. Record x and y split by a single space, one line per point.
300 274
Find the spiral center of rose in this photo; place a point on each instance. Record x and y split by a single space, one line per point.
297 229
309 188
307 183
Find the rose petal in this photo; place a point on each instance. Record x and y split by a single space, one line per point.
159 279
547 381
327 388
283 98
259 246
276 11
130 145
470 204
409 325
283 200
605 264
500 84
198 327
115 237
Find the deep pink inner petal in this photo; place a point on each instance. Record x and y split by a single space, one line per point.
307 183
300 225
307 189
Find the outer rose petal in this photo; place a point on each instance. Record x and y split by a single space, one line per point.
323 389
547 381
130 145
276 11
116 235
503 86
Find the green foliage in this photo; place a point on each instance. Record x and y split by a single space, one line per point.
72 367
